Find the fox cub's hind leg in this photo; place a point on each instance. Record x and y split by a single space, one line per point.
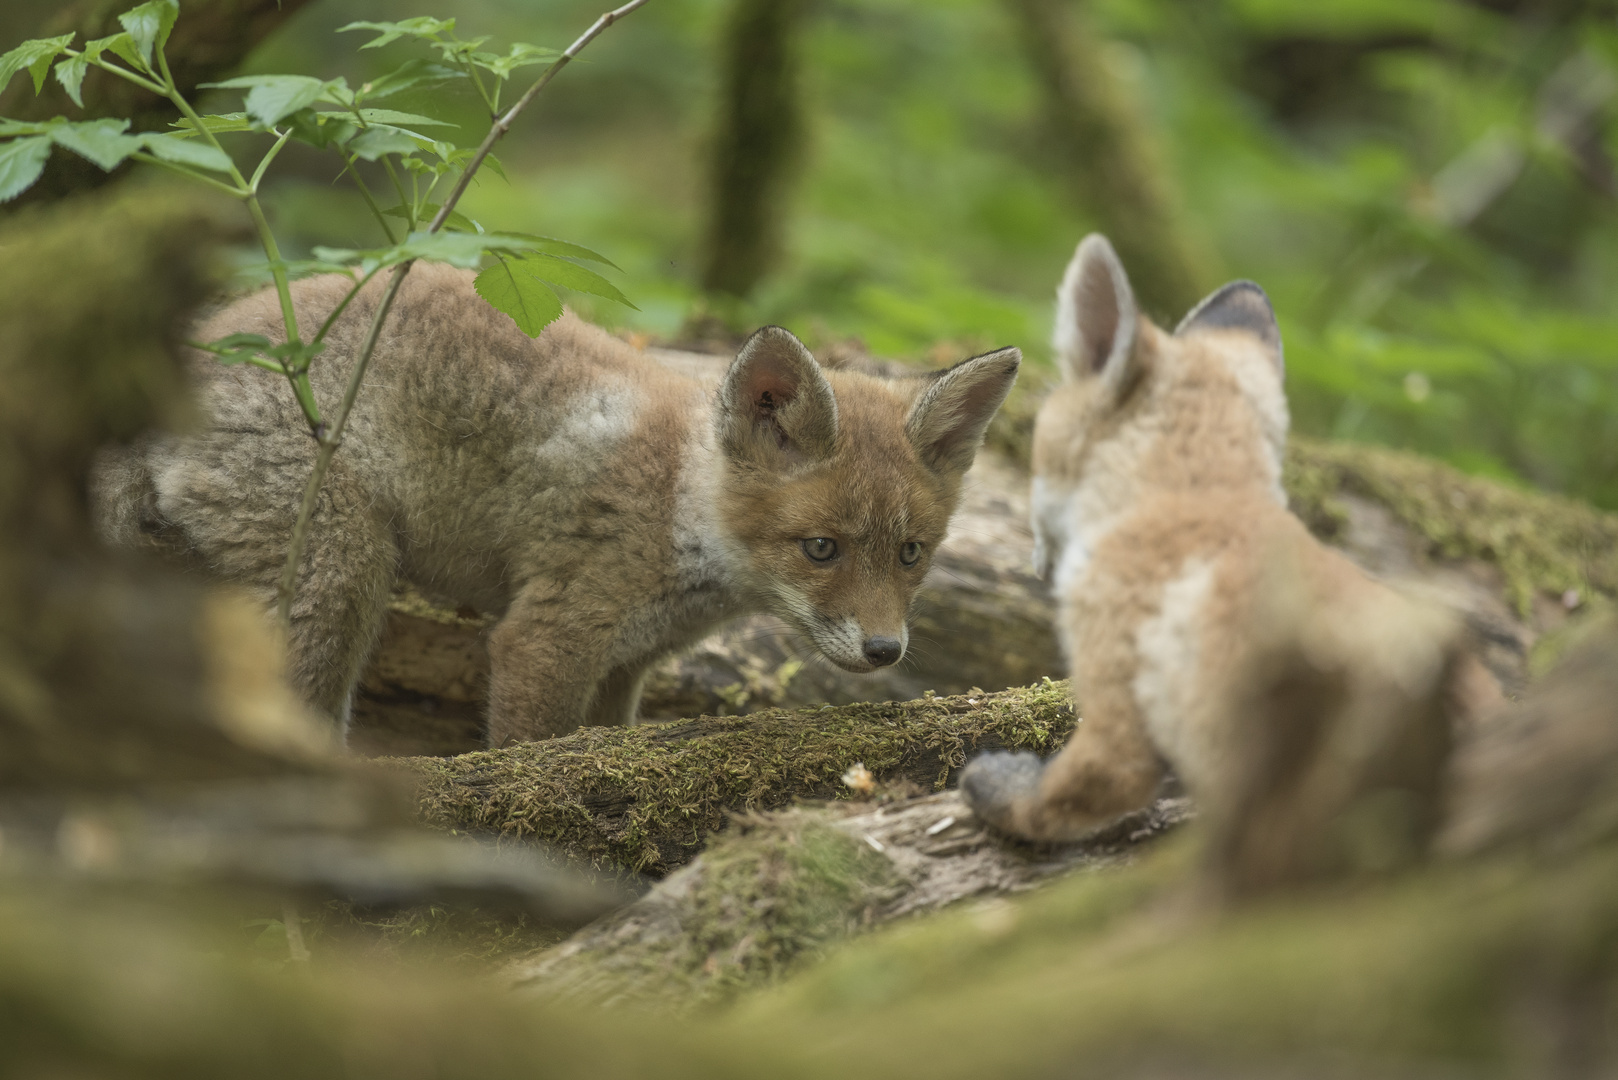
1108 768
240 528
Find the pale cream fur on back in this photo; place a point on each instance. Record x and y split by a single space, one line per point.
1193 603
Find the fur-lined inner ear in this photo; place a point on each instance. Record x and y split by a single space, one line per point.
1096 317
1241 305
775 405
947 422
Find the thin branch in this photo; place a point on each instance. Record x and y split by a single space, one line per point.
502 125
330 439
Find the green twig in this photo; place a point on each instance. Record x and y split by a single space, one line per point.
330 440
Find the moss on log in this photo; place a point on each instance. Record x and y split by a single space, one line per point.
644 798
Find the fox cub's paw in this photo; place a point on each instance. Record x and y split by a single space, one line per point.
998 786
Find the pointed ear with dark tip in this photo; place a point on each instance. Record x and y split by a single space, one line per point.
1096 317
1241 305
947 421
775 406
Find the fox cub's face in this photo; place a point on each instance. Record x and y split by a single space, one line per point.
838 487
1141 410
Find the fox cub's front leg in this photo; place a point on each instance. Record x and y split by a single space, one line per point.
1105 770
547 669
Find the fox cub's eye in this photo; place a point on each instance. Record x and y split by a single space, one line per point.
909 552
820 548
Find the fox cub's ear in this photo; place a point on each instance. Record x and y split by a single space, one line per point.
1096 317
947 422
1241 305
775 406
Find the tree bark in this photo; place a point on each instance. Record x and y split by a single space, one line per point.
758 141
1101 142
210 40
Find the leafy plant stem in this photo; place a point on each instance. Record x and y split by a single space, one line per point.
330 439
189 174
269 156
124 73
404 200
370 200
502 125
331 319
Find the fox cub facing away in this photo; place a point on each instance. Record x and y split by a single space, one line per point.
611 508
1305 706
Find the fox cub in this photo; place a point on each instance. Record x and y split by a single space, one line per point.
1305 706
610 508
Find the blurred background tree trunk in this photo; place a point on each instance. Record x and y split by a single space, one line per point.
210 41
1102 143
756 144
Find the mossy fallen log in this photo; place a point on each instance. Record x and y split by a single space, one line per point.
776 891
645 798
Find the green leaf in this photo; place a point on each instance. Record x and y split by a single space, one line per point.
493 164
389 116
570 275
372 143
120 45
221 122
182 151
149 26
531 303
521 55
456 248
70 73
9 128
236 348
101 142
21 162
271 97
415 73
34 57
562 247
456 219
387 32
321 129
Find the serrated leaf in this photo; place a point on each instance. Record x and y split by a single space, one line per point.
521 55
493 164
34 57
389 116
182 151
148 26
456 248
321 129
101 142
21 162
272 97
121 46
372 143
216 124
422 26
570 275
415 73
531 303
562 247
9 128
70 73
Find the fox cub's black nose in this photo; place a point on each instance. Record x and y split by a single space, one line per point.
882 651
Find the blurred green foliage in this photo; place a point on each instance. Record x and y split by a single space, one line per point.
1425 187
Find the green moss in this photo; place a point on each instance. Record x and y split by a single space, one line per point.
768 896
644 798
1541 543
1434 968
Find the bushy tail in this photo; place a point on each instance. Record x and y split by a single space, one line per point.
1343 719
